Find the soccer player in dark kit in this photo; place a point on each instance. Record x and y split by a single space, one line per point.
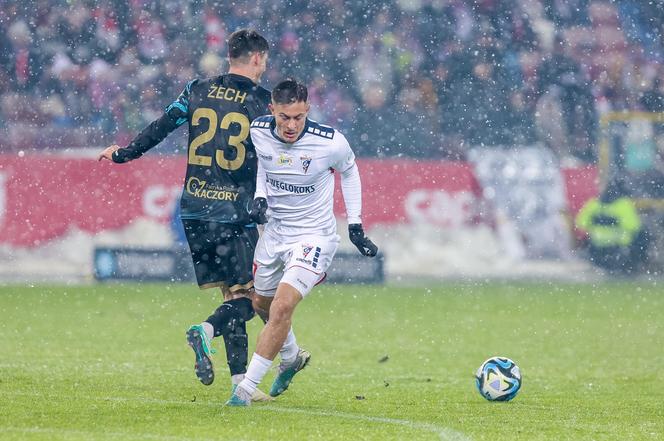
216 206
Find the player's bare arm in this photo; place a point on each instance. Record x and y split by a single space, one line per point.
107 153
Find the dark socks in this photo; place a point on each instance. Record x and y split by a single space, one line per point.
229 321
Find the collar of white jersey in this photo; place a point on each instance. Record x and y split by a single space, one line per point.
273 130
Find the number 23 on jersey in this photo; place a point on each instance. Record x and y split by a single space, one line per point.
207 136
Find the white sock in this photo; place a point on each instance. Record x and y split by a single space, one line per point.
237 379
258 367
289 350
209 330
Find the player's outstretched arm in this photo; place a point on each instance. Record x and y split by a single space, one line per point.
107 153
174 116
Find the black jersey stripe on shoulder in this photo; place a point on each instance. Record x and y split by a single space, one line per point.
262 122
320 130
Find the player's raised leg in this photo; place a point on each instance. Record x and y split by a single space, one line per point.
229 322
223 257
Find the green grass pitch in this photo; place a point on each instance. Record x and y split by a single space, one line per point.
110 362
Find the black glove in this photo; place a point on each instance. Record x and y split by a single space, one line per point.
258 210
362 242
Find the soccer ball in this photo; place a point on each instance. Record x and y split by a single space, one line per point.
498 379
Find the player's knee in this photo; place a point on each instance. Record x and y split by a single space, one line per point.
230 315
244 308
281 310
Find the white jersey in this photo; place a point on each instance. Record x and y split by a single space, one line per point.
297 179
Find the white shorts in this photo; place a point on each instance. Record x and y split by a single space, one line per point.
301 262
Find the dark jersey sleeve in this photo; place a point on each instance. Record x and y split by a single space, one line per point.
176 114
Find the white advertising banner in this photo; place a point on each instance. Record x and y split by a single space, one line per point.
525 188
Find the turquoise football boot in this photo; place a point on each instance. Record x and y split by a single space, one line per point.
286 373
200 343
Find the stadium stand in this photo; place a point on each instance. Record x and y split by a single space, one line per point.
423 79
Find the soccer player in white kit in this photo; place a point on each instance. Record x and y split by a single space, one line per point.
295 188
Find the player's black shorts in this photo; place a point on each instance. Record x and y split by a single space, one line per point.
223 254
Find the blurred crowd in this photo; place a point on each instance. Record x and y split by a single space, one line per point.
419 78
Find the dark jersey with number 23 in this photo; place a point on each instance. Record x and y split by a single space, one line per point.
221 159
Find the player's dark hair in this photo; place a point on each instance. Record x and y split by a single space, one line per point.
245 41
289 91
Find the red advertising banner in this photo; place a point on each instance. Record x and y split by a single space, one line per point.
405 191
42 196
